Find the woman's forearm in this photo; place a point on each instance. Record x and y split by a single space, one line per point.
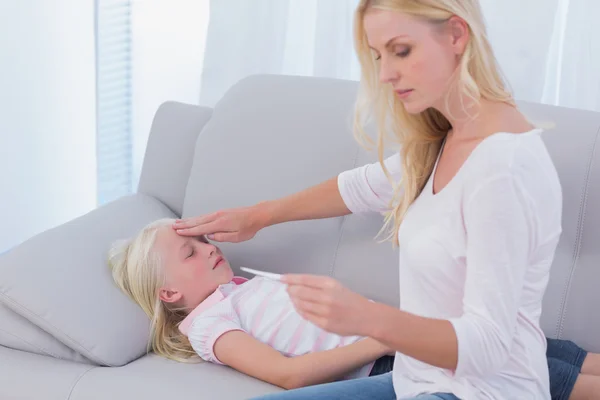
319 201
331 365
429 340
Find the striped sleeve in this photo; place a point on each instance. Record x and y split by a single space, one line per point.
206 330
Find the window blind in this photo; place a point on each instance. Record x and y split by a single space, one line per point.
114 150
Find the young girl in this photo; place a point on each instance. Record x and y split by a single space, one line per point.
198 308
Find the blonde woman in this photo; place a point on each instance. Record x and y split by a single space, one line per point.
474 203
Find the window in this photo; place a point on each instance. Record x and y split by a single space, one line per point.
114 99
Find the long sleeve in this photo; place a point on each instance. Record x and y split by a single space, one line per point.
367 188
500 230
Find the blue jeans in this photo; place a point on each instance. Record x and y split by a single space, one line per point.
378 387
565 359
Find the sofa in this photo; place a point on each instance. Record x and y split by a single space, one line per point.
67 332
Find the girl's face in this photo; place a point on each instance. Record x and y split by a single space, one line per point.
416 57
194 268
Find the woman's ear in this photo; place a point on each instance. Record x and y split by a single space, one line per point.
459 33
169 295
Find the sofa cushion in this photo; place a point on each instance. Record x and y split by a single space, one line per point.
59 280
18 333
26 376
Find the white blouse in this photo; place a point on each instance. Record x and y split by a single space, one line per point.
477 254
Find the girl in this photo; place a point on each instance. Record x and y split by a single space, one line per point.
198 308
473 200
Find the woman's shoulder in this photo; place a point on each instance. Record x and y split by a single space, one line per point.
510 153
522 157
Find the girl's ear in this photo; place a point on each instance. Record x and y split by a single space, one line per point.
169 296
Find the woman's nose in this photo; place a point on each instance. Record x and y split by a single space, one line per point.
387 73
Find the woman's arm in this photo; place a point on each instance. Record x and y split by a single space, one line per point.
360 189
432 341
244 353
241 224
319 201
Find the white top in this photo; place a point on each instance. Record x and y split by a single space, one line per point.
478 254
262 308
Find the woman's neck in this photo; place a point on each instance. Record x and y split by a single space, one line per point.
477 120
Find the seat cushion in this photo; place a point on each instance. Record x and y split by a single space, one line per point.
60 281
155 378
27 376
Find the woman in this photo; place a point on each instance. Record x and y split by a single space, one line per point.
473 200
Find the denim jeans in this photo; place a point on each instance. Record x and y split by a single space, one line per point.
378 387
565 359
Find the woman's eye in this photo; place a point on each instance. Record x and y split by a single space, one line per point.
377 58
404 53
191 253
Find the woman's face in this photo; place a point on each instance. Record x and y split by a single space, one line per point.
416 57
194 268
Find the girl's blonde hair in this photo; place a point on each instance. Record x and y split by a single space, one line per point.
420 136
138 271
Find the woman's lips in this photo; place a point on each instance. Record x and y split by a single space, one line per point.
404 93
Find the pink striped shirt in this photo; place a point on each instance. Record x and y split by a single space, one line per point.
262 308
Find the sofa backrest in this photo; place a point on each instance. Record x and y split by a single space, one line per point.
274 135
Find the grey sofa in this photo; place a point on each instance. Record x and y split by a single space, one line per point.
66 332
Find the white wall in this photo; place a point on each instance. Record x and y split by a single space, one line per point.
168 39
47 115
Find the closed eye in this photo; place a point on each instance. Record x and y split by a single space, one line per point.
403 54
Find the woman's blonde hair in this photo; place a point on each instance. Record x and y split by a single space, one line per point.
420 136
138 271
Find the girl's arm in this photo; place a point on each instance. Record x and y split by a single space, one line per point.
244 353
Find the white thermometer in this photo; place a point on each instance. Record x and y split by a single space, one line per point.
269 275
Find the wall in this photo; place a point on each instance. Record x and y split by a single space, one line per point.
47 115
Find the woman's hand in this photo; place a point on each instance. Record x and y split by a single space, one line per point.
328 304
232 225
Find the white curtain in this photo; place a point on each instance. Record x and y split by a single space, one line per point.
292 37
167 54
548 49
